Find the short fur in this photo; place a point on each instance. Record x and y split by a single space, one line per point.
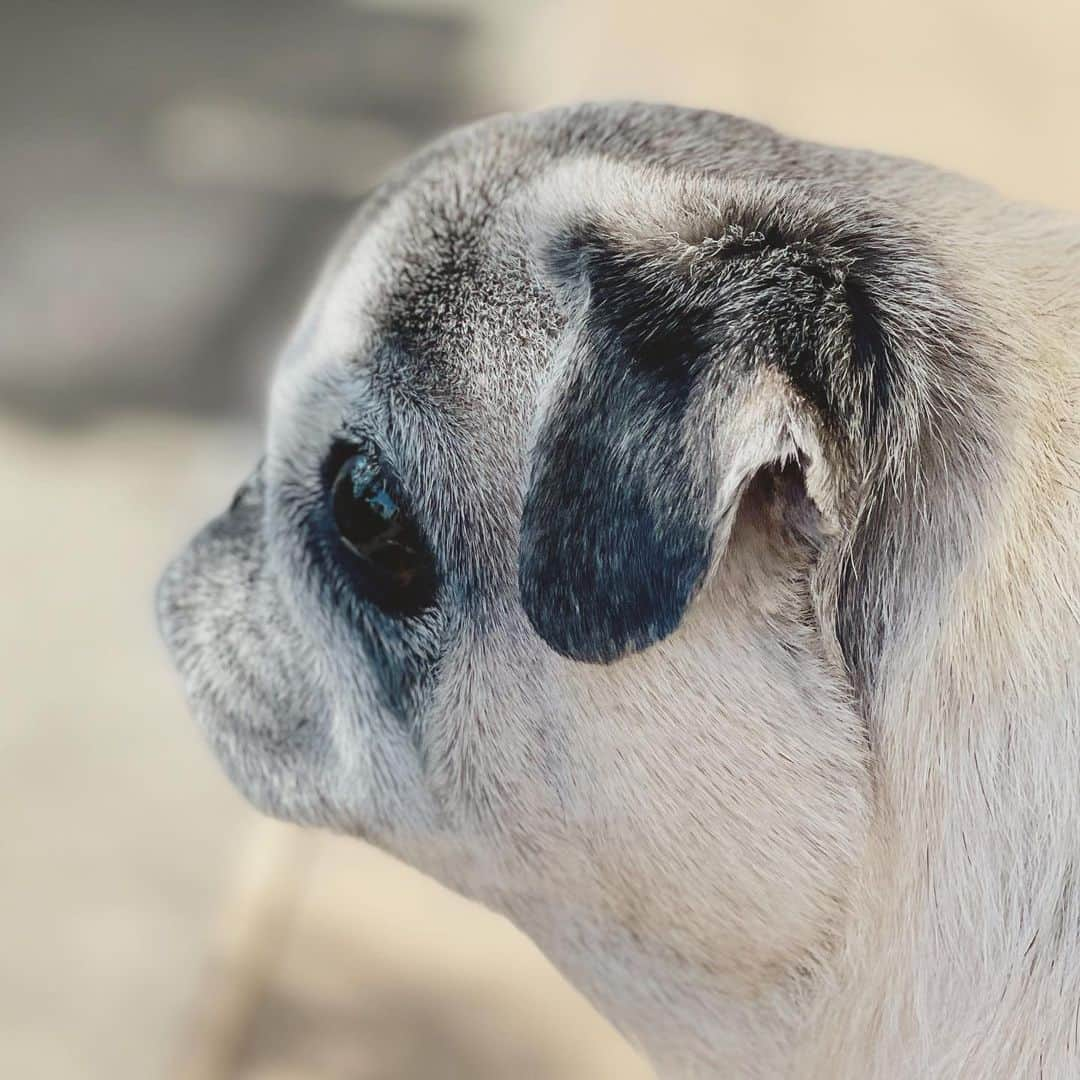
751 469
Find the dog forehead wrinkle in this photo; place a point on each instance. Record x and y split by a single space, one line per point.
466 323
424 257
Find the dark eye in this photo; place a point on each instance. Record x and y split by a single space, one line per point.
392 559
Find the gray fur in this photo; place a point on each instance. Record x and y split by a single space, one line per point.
784 434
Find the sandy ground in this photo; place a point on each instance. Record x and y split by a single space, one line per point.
152 926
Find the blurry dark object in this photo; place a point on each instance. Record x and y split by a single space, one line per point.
172 174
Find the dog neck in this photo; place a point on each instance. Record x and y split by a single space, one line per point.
960 958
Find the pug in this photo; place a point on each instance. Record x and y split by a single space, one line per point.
669 535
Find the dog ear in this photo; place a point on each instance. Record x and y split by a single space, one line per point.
705 343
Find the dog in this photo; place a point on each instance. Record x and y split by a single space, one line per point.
669 535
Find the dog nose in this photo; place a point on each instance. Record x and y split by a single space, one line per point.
251 488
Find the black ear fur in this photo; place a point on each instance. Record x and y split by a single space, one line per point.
620 517
615 536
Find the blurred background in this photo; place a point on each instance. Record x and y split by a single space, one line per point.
170 175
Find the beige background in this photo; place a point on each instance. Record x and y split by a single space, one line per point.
151 925
986 87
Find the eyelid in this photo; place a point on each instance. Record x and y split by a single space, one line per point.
343 448
346 446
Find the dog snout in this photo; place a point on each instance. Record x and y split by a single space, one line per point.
251 488
202 569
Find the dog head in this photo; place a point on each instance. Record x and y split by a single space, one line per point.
559 578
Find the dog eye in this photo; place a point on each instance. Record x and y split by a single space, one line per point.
395 564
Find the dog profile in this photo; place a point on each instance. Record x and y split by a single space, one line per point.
669 535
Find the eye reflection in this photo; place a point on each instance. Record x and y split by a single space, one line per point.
397 567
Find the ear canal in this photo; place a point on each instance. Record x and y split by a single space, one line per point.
685 369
